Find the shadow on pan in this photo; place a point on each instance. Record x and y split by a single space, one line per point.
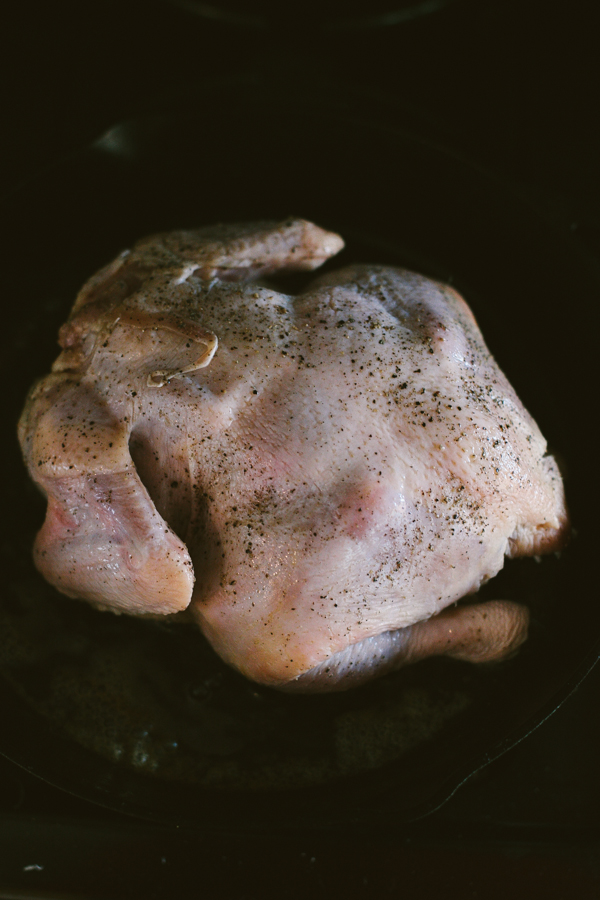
143 717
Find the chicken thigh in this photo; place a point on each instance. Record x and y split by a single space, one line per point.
317 478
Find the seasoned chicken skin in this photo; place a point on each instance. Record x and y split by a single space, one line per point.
316 477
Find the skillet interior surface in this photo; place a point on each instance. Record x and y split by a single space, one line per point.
143 717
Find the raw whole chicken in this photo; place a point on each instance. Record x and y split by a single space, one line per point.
317 478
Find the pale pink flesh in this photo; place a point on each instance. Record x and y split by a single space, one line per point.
477 633
349 463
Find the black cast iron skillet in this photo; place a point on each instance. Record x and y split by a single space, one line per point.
143 718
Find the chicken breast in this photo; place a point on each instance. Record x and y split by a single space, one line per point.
317 478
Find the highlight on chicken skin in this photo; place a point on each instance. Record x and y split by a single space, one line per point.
317 478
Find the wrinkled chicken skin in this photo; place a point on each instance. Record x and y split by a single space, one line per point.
318 478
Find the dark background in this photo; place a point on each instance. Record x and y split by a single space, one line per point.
513 86
511 83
